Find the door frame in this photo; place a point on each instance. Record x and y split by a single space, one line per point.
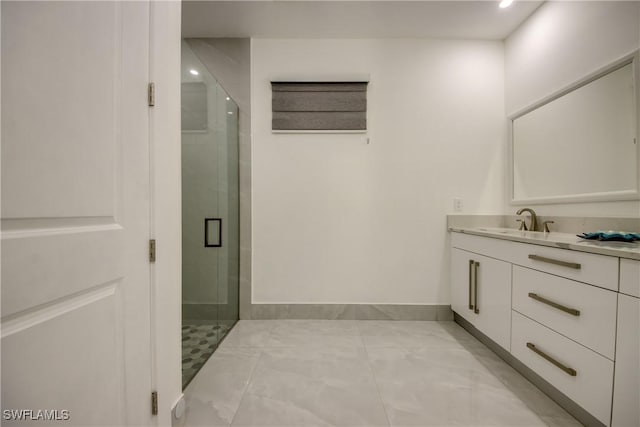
166 211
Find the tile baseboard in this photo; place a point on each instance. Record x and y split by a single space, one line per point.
351 312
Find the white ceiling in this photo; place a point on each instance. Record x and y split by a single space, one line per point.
353 19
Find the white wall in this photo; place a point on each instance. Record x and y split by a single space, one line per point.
559 44
337 220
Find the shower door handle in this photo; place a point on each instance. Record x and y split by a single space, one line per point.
213 232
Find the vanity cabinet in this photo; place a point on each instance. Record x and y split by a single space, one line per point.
565 331
581 374
598 270
584 313
462 264
481 293
630 277
572 317
626 392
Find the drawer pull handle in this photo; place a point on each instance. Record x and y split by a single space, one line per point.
470 281
569 371
566 309
476 309
555 261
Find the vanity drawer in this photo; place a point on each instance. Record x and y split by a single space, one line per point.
494 248
630 277
584 313
592 385
599 270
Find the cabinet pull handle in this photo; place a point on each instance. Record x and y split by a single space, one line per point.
555 261
564 308
476 309
569 371
470 279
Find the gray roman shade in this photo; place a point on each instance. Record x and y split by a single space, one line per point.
299 106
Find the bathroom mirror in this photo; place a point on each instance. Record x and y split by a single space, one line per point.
581 144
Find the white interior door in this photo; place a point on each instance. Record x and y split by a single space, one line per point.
75 212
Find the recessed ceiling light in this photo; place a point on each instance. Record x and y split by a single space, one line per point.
228 99
195 72
505 3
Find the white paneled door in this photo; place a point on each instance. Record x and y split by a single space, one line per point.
75 213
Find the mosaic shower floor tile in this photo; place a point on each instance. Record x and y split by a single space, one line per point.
198 344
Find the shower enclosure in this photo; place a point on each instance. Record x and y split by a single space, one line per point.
210 214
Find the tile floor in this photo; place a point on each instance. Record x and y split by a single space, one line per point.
361 373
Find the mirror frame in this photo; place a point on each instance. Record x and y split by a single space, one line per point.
610 196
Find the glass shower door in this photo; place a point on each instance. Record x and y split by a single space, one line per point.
210 214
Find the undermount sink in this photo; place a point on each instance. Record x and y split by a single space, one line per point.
497 230
530 235
513 232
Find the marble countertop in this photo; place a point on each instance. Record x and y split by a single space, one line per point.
558 240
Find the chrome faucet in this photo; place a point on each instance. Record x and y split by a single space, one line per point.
534 219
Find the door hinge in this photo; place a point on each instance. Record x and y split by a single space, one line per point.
152 250
151 94
154 403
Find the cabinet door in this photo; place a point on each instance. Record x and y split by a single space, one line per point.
493 302
461 266
484 284
626 392
630 277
